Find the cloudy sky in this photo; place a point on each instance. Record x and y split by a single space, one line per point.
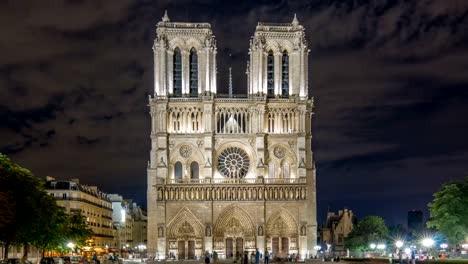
389 78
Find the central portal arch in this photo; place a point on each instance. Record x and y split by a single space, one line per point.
234 232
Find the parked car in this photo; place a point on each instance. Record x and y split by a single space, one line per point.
75 259
14 261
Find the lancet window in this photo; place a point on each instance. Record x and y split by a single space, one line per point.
286 170
178 170
271 169
185 120
285 74
193 73
233 121
177 68
194 170
270 74
282 121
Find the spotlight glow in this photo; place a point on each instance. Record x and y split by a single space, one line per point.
427 242
399 244
372 246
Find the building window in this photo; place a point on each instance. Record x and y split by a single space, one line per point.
178 170
177 67
64 195
270 74
285 74
193 73
271 170
286 170
194 170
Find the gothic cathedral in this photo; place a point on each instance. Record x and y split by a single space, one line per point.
231 173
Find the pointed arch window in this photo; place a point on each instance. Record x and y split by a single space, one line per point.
177 72
193 73
271 170
178 170
286 171
270 74
285 74
194 170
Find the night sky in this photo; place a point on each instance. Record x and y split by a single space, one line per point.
389 78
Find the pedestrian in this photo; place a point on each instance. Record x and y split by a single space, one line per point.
95 259
400 255
267 257
207 257
257 256
413 257
246 258
215 257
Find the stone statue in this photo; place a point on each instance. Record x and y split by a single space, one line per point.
303 230
208 231
260 230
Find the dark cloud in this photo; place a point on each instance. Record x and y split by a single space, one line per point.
388 77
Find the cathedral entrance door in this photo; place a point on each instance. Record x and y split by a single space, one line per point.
239 246
229 247
191 249
275 245
285 244
181 249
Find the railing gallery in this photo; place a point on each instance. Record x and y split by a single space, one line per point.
235 181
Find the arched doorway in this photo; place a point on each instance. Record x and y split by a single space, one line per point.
281 234
185 236
234 232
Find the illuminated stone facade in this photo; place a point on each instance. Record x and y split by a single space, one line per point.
232 173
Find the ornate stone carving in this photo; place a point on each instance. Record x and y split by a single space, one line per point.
303 230
171 143
200 143
279 152
185 151
208 231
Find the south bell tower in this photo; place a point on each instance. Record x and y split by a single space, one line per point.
230 174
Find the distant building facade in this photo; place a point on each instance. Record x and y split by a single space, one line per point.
92 203
415 220
337 228
231 173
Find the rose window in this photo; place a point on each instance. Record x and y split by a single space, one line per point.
185 151
233 163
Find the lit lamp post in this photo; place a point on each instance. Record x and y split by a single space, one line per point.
427 243
71 246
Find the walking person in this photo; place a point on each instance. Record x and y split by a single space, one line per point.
267 257
207 257
215 257
257 256
246 258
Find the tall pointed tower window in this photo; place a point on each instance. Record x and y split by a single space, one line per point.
193 73
285 74
177 60
178 170
270 74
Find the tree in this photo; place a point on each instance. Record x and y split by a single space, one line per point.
449 211
18 190
77 229
371 229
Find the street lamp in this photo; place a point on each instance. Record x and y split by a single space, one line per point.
399 244
372 246
427 242
381 246
71 246
443 246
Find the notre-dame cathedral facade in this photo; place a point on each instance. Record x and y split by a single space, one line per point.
231 173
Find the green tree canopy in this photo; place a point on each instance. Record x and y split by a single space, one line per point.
449 211
371 229
30 216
